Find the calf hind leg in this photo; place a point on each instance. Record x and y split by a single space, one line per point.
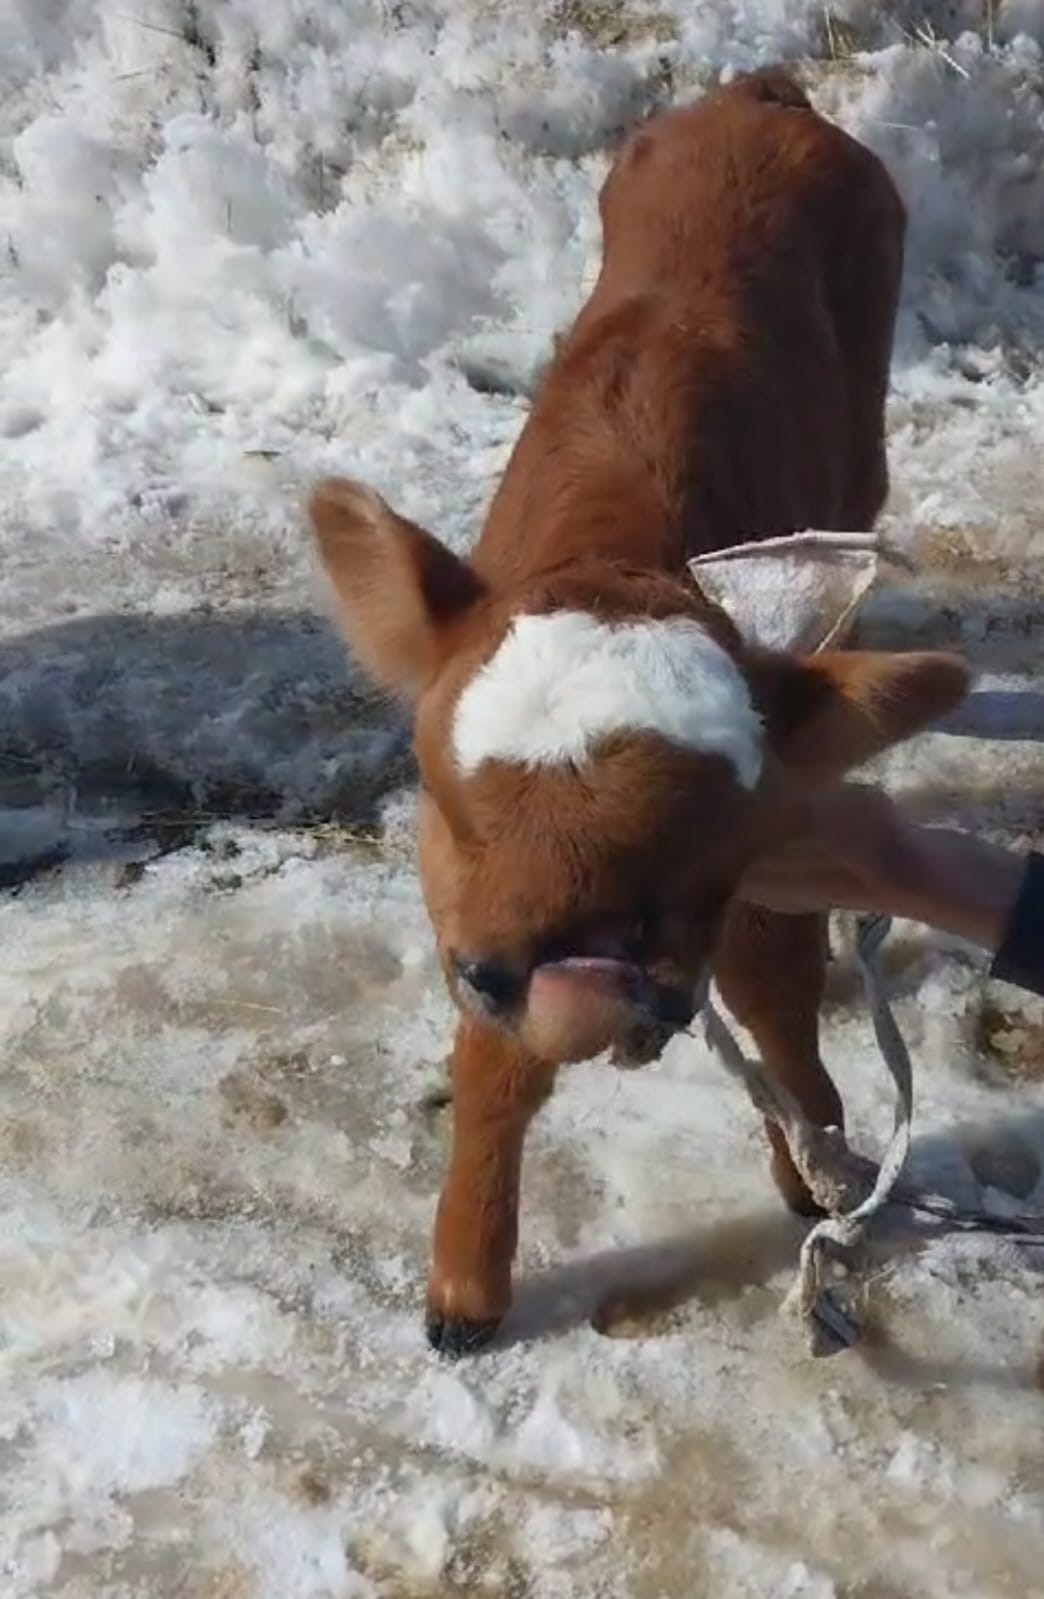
770 969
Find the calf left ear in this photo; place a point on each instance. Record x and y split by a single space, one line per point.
826 714
397 587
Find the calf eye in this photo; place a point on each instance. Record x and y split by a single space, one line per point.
494 985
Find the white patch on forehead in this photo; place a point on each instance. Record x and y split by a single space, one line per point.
560 682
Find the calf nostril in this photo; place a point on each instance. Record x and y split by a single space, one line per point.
496 985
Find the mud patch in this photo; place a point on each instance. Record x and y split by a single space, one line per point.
1013 1042
245 1102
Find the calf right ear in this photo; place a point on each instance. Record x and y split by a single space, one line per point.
826 714
397 587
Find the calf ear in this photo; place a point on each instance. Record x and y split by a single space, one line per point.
397 587
826 714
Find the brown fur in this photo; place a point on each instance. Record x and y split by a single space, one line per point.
725 381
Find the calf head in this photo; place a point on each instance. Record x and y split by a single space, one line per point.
601 757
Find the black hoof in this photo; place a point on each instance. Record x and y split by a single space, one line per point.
454 1338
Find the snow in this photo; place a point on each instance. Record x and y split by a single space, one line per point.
243 244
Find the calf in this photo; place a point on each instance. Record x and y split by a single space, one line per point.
601 754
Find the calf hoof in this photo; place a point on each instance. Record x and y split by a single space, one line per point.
456 1336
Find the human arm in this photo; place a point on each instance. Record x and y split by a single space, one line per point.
850 847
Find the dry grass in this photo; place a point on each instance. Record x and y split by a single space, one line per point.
1013 1043
609 23
925 26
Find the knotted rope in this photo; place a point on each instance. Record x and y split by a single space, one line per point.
849 1187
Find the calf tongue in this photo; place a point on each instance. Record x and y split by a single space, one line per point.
578 1007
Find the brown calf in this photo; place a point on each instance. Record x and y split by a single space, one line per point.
601 754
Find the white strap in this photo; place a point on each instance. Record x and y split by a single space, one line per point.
812 539
798 592
844 1184
788 543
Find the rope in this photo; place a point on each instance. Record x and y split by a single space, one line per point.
849 1187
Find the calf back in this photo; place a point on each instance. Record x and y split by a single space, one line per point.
726 378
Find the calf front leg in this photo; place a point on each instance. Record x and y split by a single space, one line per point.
770 969
497 1089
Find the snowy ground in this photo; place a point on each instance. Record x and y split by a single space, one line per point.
243 242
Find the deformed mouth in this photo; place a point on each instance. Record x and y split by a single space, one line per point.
604 1002
629 981
580 999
